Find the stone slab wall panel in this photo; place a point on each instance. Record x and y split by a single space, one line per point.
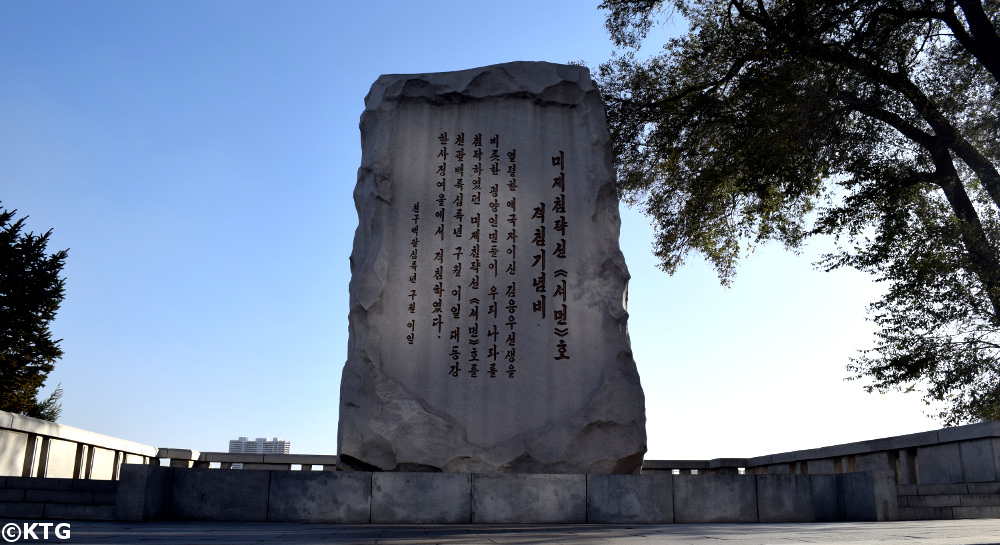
641 499
797 498
856 499
705 499
212 494
533 498
940 464
320 496
978 461
421 498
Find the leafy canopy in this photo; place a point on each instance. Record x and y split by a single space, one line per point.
874 121
30 294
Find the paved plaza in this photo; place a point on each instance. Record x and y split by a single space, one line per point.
965 532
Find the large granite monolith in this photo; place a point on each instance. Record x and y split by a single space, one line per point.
487 300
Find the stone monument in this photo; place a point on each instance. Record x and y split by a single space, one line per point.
487 300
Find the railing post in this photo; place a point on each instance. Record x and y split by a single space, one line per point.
30 448
119 460
91 454
43 458
80 461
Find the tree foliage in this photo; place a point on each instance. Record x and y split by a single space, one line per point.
30 293
874 121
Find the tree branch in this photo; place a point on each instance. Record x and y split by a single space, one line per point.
984 42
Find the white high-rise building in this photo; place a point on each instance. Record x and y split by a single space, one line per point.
259 445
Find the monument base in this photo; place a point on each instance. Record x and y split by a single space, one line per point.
463 498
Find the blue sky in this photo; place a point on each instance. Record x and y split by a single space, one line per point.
198 159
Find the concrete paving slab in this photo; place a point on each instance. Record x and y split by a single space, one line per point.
952 532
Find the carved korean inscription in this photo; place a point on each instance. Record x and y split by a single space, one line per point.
469 312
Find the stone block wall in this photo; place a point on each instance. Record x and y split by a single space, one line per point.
949 501
148 493
57 499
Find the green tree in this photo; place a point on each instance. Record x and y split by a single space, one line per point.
30 293
874 121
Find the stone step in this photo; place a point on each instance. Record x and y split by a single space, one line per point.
56 511
61 511
80 497
948 513
943 502
36 483
925 513
21 510
949 500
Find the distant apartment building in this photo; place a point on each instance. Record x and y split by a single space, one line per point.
259 445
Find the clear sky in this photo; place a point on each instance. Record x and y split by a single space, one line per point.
198 158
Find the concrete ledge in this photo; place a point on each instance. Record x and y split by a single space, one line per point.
983 430
303 459
178 454
727 462
905 441
667 465
971 431
280 467
227 457
513 498
421 498
643 499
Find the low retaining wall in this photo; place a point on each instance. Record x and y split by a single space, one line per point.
150 493
947 473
